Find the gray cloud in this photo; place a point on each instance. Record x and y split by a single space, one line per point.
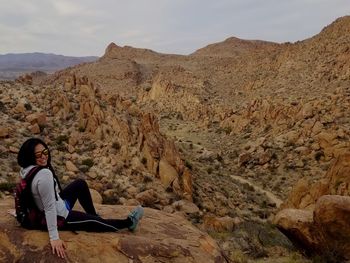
86 27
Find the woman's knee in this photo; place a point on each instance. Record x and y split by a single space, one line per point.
81 182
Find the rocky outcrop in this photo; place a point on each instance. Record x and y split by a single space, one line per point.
106 116
25 79
114 51
159 237
324 231
336 182
316 216
163 159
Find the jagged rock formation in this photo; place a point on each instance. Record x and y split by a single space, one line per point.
336 182
161 156
133 137
160 237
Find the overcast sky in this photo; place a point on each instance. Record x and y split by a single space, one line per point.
86 27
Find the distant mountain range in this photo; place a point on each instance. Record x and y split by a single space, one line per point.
13 65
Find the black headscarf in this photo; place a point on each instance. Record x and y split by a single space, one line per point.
26 156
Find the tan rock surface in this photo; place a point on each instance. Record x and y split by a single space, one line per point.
335 182
322 221
4 132
70 166
323 230
160 236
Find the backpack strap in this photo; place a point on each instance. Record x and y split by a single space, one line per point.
55 176
30 176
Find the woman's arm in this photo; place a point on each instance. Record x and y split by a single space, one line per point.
45 186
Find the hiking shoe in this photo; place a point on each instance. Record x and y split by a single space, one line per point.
135 216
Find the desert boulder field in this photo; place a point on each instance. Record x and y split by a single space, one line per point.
239 151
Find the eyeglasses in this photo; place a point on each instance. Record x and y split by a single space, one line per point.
40 154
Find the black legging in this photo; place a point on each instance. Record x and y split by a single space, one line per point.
89 221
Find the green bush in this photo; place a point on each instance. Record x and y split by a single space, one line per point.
61 139
88 162
116 145
84 168
188 164
28 106
319 155
2 107
7 186
219 158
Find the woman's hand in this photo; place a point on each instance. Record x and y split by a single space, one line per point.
58 247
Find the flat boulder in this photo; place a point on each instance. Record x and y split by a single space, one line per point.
316 215
160 237
323 230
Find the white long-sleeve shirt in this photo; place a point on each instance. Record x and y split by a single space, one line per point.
45 199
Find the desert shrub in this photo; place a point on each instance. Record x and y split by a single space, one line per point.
248 187
209 170
88 162
238 256
319 155
267 128
15 167
2 107
8 186
28 106
147 88
263 204
60 139
328 256
144 160
103 105
188 164
116 145
133 99
147 178
226 130
219 158
253 238
84 168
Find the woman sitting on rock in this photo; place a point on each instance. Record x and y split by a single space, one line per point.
57 203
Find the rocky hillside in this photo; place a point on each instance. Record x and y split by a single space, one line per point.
222 134
14 65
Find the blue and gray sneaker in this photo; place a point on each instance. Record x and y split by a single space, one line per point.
135 217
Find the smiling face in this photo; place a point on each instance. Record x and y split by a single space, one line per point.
41 155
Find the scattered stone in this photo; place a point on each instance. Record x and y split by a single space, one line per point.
186 206
219 224
34 129
147 198
71 167
4 132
